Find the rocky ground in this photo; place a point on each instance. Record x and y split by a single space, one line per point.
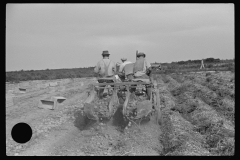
197 119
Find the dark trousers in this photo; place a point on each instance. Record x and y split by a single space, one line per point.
121 76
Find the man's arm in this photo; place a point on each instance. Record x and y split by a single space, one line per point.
148 68
121 68
148 65
114 68
96 69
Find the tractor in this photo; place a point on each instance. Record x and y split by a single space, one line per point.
131 95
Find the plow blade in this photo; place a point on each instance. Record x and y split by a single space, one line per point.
143 109
92 110
89 111
88 107
113 102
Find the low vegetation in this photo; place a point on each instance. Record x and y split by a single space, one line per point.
48 74
51 74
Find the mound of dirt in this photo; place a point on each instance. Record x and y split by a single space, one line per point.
178 137
192 125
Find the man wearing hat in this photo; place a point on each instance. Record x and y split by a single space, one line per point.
128 71
142 66
105 68
142 69
121 68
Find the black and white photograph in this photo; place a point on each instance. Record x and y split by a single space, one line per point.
120 79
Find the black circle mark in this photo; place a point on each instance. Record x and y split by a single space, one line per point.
21 132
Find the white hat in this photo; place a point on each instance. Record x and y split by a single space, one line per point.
123 59
118 64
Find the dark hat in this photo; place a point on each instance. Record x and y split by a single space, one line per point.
141 54
105 53
123 59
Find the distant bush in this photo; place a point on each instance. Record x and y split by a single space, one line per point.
49 74
182 62
208 74
231 68
208 79
209 60
210 66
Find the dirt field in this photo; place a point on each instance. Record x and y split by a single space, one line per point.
197 119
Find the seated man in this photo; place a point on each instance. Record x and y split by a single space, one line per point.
142 67
105 69
121 66
142 70
128 71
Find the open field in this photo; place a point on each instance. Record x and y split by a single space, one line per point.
197 119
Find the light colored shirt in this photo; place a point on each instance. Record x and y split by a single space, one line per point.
100 67
123 64
145 67
128 69
118 78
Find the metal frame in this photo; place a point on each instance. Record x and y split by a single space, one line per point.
120 84
154 97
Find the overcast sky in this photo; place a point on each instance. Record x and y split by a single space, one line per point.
41 36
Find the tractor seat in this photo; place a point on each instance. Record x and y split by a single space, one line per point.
141 80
